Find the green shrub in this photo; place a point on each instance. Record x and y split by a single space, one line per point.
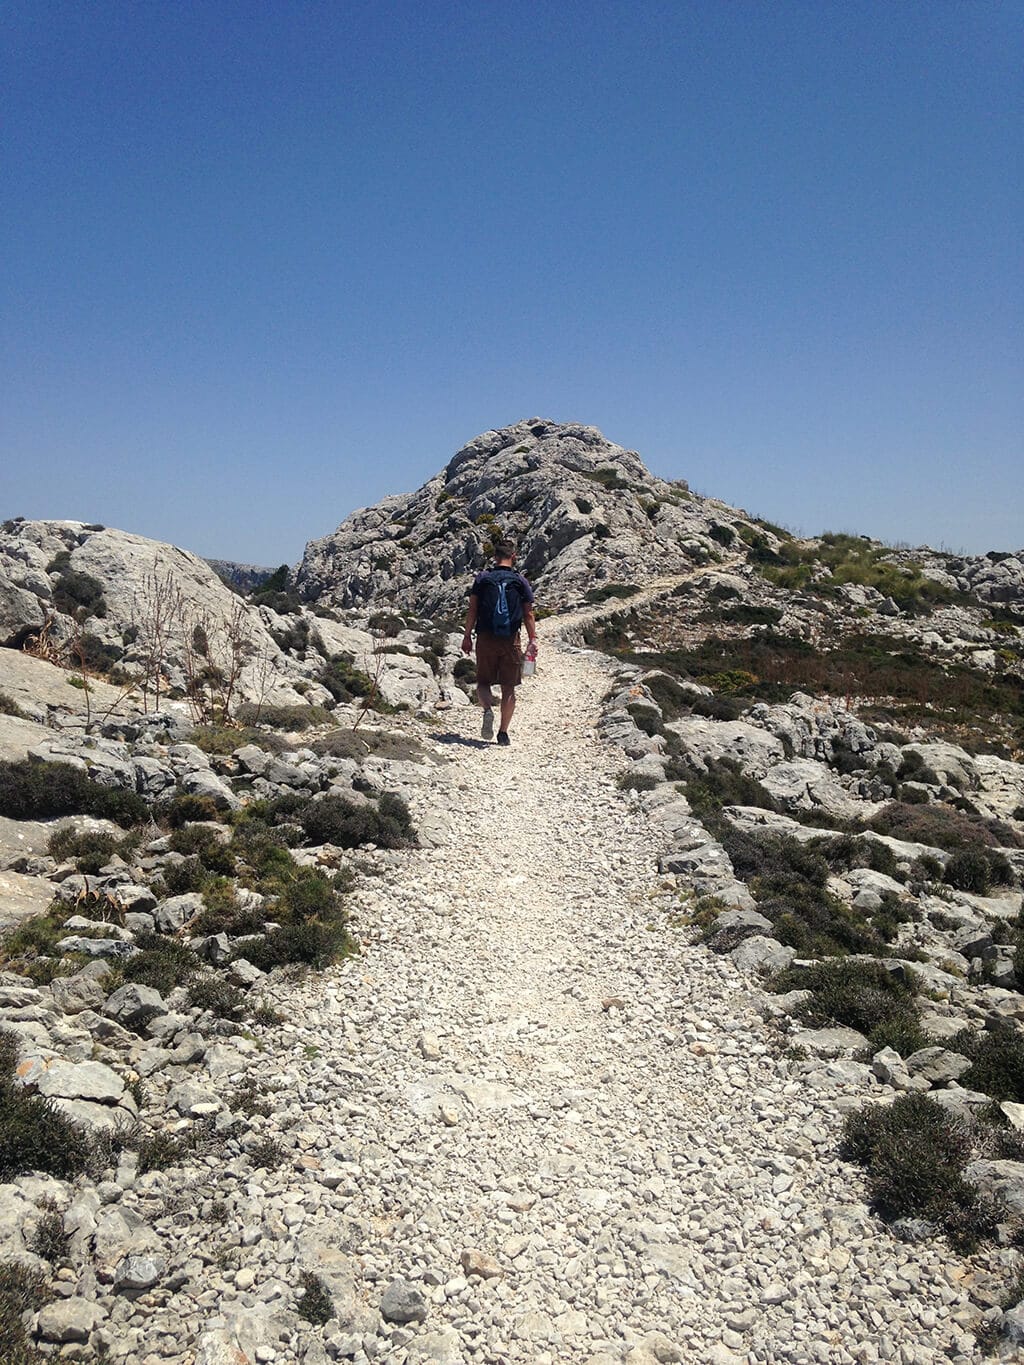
181 878
157 1151
607 477
360 743
264 851
968 870
90 850
646 718
309 896
942 827
915 1155
860 995
997 1060
464 671
386 624
609 590
184 808
22 1291
34 1134
283 717
218 739
723 784
848 851
313 943
343 680
629 781
49 1240
316 1304
219 997
267 1154
205 844
335 820
162 963
78 594
673 699
39 791
748 614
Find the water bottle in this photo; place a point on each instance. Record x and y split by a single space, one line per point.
530 660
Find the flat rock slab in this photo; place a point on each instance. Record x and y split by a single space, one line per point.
489 1095
21 897
38 686
17 736
81 1081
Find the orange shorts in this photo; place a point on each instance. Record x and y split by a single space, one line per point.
498 660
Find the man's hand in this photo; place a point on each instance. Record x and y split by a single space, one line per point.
467 643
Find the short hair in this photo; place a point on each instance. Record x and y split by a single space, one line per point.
505 549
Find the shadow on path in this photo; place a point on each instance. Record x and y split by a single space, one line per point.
450 737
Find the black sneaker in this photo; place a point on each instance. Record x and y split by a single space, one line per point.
503 737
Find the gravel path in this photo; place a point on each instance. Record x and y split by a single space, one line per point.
528 1062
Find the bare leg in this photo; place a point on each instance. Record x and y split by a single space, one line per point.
508 704
485 696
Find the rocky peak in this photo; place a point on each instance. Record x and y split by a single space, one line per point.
582 509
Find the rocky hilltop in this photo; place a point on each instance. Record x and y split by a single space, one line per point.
582 510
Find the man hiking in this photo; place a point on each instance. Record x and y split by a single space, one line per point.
500 602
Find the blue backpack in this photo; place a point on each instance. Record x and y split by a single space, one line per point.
506 608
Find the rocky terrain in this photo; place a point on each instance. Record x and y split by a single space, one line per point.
689 1028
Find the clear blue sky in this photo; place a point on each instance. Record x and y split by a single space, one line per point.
263 263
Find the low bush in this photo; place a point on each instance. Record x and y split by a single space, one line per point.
915 1155
860 995
9 707
89 850
335 820
283 717
224 913
78 594
646 718
343 680
31 948
217 996
313 944
184 808
386 624
205 844
162 963
181 878
977 870
464 672
49 1240
22 1291
34 1135
849 851
606 591
220 739
360 743
997 1060
39 791
942 827
673 699
723 784
267 1154
316 1304
630 781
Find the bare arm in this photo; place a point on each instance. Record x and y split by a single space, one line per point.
467 639
530 622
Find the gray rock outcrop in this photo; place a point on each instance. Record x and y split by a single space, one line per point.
583 511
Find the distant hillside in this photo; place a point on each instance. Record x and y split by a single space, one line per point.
244 577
